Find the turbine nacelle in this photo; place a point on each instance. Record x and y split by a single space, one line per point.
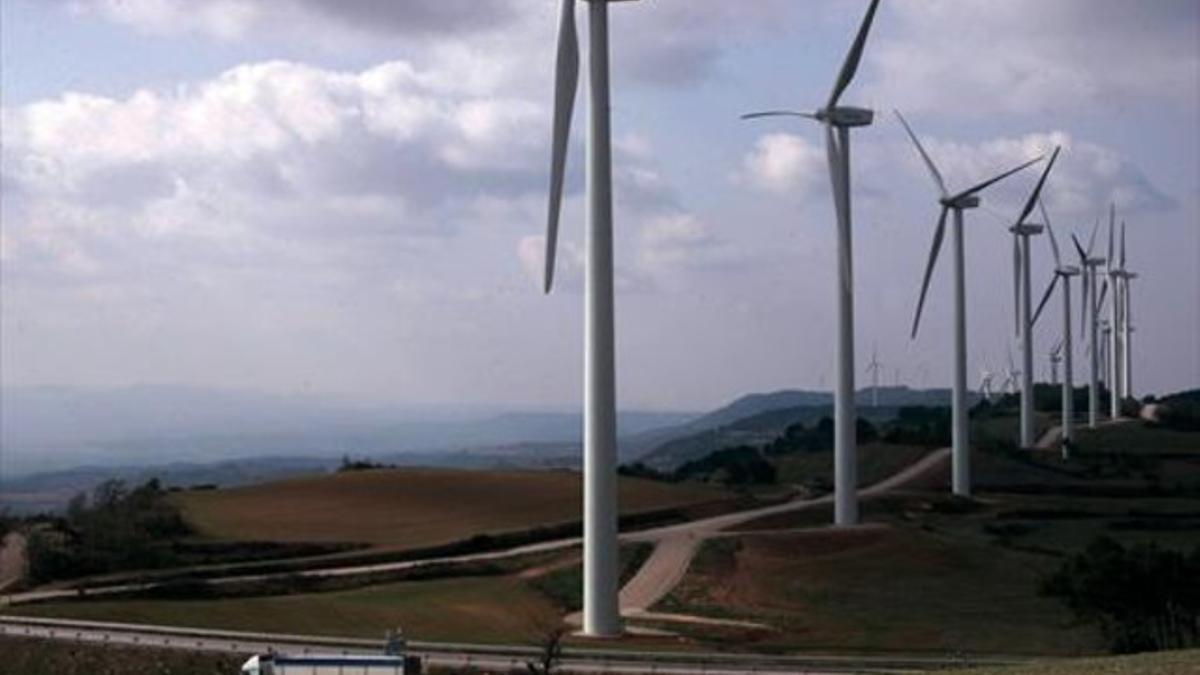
961 202
1027 229
1068 271
846 116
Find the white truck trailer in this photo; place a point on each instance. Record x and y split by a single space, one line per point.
281 664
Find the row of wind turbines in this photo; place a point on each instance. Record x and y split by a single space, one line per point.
601 611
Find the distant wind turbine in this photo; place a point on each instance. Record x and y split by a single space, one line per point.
1055 357
1022 231
1063 273
873 369
1116 373
967 199
1011 374
985 383
1127 319
838 120
601 612
1091 310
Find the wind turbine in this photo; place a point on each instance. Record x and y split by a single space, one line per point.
1090 310
1023 230
1010 375
1127 319
985 383
967 199
1106 358
838 120
1063 273
873 369
1113 337
601 610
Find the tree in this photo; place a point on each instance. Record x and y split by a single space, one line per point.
551 655
1143 598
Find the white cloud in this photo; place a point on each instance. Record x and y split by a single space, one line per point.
785 163
676 241
1030 56
1087 177
264 155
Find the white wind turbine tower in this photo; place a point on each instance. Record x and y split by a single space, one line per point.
1063 273
1126 320
1055 357
873 369
601 611
967 199
838 120
1112 362
1090 311
1105 354
1022 231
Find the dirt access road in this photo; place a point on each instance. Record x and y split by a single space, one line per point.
12 560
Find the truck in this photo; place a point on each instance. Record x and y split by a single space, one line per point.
281 664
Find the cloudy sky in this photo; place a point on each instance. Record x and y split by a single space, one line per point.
347 197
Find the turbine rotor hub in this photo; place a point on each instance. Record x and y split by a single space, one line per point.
846 116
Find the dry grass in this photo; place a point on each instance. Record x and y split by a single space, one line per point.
879 589
412 508
476 609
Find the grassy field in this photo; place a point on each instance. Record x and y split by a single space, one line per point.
886 589
24 656
876 461
947 575
1185 662
479 609
412 508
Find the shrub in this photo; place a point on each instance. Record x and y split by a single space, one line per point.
741 465
1143 598
1180 412
117 529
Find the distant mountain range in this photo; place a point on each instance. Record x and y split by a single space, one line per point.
758 418
56 442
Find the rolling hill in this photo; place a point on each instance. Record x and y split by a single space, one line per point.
412 508
757 419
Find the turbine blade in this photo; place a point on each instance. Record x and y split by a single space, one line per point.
1112 225
853 57
992 181
1037 191
1122 244
939 233
937 176
778 113
1050 231
1045 298
1079 249
1103 294
566 83
1095 229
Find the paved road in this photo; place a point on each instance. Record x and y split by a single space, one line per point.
501 657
